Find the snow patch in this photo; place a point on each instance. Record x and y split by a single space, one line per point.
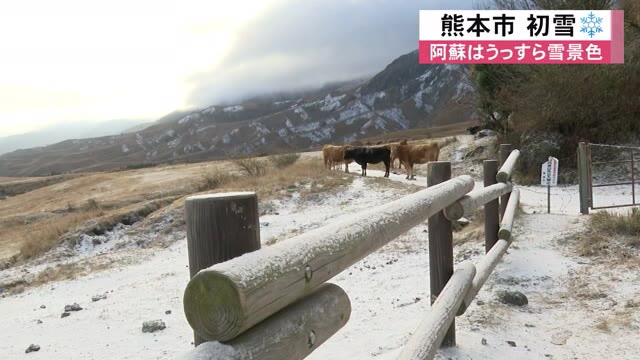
188 118
205 128
290 125
397 116
234 108
371 98
175 142
462 88
319 135
209 110
424 76
331 103
260 128
303 114
354 110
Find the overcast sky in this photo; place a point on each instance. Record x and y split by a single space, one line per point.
78 60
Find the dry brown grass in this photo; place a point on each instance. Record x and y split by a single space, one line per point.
474 232
306 176
17 186
284 160
618 224
6 179
422 134
36 238
611 234
33 222
623 319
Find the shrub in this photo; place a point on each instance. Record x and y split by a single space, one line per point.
214 181
251 167
617 224
92 204
284 160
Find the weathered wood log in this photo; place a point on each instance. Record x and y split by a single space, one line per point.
506 226
505 151
426 340
483 270
228 298
476 198
492 208
440 245
292 333
220 227
506 170
583 177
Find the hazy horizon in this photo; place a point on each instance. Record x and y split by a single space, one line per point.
70 61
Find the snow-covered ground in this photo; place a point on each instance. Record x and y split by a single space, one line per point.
389 291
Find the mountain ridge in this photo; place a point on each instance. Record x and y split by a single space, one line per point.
404 95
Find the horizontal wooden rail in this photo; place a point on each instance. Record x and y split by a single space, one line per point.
427 338
483 270
226 299
506 226
506 170
291 334
612 162
476 198
615 184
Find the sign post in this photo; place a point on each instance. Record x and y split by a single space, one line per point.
549 177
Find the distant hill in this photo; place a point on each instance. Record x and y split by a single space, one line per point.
60 132
405 95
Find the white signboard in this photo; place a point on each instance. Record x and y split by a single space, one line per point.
549 174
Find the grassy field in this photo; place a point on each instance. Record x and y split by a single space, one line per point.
54 208
4 179
422 134
16 186
36 221
33 222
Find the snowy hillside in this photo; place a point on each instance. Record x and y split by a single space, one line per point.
389 291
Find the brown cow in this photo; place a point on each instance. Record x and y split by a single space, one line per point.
334 156
416 154
394 156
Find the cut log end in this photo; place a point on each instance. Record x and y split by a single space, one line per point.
504 234
454 212
213 307
221 196
502 177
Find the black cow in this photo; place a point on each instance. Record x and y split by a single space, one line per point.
370 155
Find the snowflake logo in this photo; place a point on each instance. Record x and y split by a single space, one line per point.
591 24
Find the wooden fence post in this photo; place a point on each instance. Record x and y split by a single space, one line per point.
491 209
583 178
440 244
220 227
505 150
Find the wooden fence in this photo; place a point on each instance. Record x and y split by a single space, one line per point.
274 303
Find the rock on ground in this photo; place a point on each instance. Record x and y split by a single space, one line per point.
512 298
153 326
32 348
98 297
72 307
